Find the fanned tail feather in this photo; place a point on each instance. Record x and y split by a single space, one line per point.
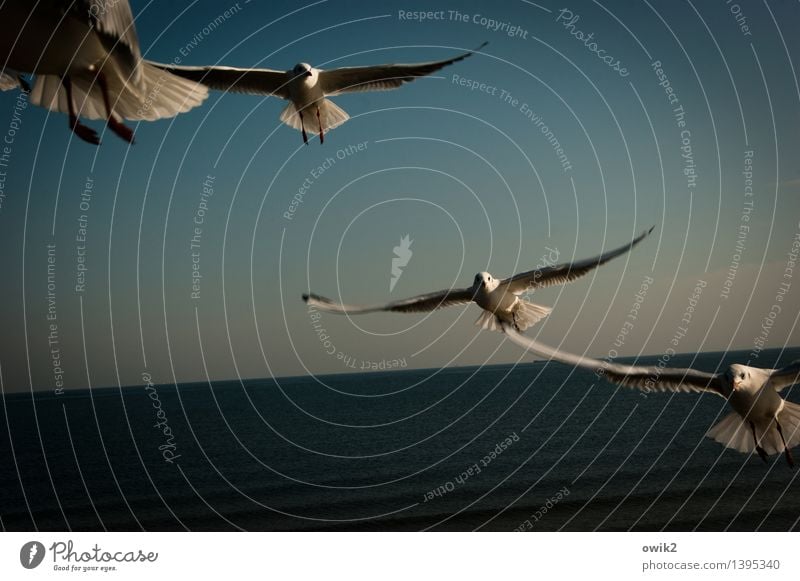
330 113
735 433
488 321
159 95
527 315
732 432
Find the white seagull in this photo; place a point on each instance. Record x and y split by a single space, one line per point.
762 421
306 87
499 298
86 58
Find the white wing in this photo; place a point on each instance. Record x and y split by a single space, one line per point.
782 378
237 80
380 77
113 21
417 304
643 378
564 273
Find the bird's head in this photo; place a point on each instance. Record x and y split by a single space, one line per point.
303 71
738 376
485 281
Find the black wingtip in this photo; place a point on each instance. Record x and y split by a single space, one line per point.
483 44
306 296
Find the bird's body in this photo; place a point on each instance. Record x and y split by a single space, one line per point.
307 88
762 421
87 63
500 304
500 299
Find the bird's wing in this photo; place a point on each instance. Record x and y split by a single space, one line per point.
417 304
786 376
233 79
8 80
641 377
380 77
564 273
113 21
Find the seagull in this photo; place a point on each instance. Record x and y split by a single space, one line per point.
86 58
762 421
499 298
306 87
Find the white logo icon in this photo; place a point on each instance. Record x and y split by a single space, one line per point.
402 254
31 554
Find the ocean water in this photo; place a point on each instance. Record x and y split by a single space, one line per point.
531 447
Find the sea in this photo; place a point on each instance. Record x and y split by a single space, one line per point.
529 447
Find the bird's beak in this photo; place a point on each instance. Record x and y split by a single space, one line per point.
736 385
307 74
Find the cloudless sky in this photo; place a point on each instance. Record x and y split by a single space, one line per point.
468 175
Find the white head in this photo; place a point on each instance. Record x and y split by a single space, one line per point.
738 376
485 281
305 72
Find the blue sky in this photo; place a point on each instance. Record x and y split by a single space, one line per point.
469 175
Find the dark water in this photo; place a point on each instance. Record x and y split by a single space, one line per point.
364 451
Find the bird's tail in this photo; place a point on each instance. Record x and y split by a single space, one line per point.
526 314
735 432
330 114
488 320
158 95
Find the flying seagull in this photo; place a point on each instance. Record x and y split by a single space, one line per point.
499 298
762 421
306 87
86 58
